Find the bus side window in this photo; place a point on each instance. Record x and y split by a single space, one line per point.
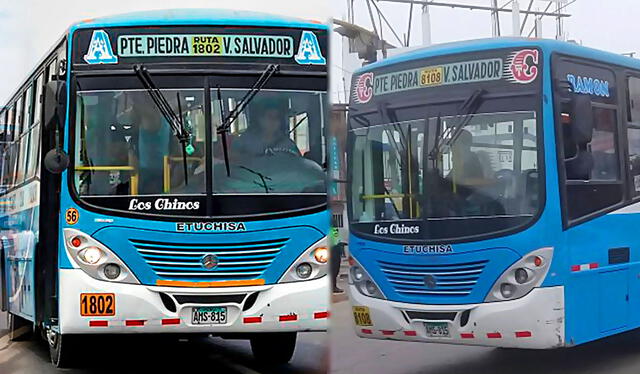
13 152
633 132
53 70
24 138
3 148
33 166
591 162
27 142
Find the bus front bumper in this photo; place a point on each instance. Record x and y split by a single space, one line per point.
296 306
535 321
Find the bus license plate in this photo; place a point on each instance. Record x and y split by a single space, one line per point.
361 316
209 315
437 329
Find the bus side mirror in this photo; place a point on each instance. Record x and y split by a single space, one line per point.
56 161
581 119
54 104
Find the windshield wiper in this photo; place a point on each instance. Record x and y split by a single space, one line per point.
263 178
465 114
225 151
227 121
175 121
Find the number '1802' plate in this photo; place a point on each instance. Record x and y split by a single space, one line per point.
97 304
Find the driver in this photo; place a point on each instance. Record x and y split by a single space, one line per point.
467 167
267 133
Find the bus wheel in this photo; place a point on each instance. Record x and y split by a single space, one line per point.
19 328
273 348
62 349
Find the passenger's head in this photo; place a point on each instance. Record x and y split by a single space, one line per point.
463 143
145 113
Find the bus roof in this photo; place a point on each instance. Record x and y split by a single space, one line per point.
179 17
547 45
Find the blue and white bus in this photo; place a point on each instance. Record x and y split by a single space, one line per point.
493 198
166 175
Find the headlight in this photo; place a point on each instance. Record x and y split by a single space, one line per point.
312 264
523 276
362 281
90 255
95 259
321 254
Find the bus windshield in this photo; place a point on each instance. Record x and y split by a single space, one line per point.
124 146
445 179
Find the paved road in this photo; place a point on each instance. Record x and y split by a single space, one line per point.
143 355
352 355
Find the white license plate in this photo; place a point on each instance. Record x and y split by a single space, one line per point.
437 329
209 315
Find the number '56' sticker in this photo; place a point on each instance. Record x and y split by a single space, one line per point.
72 216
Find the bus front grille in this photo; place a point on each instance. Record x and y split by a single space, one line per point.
456 279
235 261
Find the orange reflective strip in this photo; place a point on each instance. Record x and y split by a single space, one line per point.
232 283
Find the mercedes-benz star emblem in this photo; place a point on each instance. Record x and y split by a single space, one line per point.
209 261
430 281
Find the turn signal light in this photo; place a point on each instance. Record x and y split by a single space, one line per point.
537 261
76 241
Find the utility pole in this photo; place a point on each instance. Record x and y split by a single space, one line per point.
515 18
426 25
559 26
495 19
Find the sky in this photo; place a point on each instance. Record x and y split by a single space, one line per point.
29 28
611 25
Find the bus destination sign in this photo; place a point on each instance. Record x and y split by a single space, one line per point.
278 46
98 48
516 67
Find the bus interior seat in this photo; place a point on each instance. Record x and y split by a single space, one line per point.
580 166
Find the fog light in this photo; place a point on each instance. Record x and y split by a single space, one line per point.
90 255
356 273
112 271
303 270
370 287
507 290
522 276
321 254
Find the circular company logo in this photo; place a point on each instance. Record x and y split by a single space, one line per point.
523 66
430 281
364 88
209 261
